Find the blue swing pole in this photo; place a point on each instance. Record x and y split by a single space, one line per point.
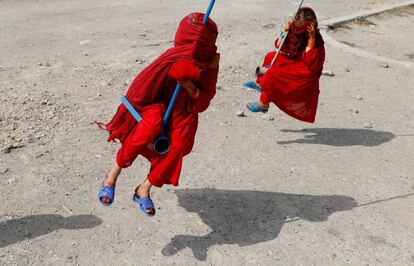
162 144
130 108
178 87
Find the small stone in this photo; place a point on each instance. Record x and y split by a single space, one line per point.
240 114
368 125
268 25
84 42
40 64
31 139
85 54
347 69
8 149
219 88
359 97
99 94
328 73
47 64
384 65
4 171
11 180
268 117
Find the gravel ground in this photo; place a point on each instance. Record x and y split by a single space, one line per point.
256 190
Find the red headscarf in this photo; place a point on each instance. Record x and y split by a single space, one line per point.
193 41
297 38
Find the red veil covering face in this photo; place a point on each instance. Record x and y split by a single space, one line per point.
193 41
292 83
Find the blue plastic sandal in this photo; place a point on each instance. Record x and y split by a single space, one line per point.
255 107
108 192
252 85
144 204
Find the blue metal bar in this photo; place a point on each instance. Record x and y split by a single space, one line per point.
178 87
171 105
209 8
130 108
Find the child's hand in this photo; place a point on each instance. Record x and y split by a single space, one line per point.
287 26
311 30
189 86
215 62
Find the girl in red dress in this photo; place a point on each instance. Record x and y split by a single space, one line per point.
292 83
192 62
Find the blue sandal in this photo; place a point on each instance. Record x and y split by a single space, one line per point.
108 192
252 85
255 107
144 205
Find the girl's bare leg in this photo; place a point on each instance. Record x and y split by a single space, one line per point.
143 191
111 178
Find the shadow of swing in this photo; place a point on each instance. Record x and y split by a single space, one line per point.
32 226
248 217
340 137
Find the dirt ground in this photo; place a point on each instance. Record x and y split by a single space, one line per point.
256 190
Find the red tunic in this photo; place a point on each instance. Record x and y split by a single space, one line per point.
181 127
293 84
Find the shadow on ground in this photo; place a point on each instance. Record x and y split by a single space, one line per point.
248 217
32 226
340 137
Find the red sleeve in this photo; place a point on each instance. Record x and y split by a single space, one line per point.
208 81
314 58
268 58
182 70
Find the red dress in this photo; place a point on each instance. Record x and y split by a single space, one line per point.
150 92
181 127
293 84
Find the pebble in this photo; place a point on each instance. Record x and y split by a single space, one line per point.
47 64
358 97
328 73
11 180
39 154
12 147
368 125
384 65
268 25
347 69
268 117
4 171
240 114
84 42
